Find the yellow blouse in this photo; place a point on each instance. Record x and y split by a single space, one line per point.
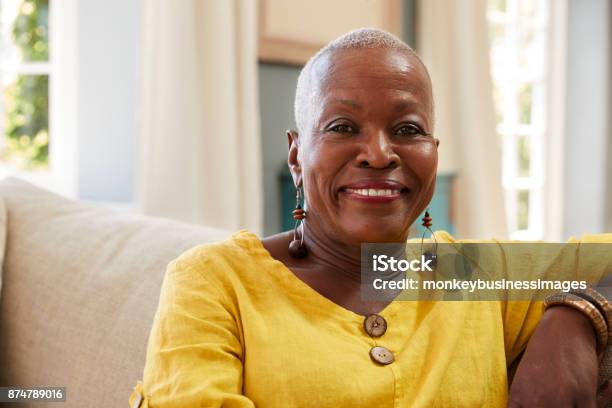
236 328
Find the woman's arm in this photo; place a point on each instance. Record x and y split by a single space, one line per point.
194 354
559 367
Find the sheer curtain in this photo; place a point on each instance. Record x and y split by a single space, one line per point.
200 155
452 39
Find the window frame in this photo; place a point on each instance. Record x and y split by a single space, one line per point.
509 81
61 175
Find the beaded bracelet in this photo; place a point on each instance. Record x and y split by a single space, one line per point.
600 302
589 309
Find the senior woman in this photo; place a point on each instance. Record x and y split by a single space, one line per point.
279 322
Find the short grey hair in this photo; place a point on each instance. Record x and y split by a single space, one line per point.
360 38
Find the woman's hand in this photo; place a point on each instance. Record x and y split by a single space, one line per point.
559 367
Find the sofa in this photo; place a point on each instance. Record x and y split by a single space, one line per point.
80 286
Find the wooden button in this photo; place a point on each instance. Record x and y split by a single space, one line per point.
375 325
382 355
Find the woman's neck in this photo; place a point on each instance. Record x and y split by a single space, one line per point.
336 257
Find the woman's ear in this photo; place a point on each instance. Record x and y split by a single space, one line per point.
293 158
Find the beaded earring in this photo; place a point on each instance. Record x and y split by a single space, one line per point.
297 248
429 254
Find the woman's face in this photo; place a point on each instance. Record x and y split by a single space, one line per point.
368 160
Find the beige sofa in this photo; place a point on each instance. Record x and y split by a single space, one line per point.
80 286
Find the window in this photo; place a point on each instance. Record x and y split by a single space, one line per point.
37 92
518 32
24 80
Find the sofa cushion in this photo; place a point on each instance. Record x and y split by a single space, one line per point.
81 285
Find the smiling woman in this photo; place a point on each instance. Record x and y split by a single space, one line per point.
280 321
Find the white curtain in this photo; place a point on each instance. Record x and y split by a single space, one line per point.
452 39
200 155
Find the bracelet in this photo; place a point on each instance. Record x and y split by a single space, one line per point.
600 302
587 308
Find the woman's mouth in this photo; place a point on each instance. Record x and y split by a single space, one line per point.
374 192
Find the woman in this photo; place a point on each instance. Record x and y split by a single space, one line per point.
280 322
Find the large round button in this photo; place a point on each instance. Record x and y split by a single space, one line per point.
382 355
375 325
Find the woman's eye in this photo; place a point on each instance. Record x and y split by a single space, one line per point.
342 129
409 130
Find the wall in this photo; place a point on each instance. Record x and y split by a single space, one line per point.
276 94
588 135
108 56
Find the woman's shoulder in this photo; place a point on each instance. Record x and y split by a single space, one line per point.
239 245
445 237
223 259
439 236
592 238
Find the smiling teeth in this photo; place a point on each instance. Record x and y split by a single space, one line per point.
373 191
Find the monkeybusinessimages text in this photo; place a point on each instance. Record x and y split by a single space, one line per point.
385 263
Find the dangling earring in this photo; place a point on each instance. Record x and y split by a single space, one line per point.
297 248
430 254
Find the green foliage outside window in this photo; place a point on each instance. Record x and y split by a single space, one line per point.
27 99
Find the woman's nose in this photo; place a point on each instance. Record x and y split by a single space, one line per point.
377 152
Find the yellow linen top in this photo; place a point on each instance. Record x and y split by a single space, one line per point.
236 328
